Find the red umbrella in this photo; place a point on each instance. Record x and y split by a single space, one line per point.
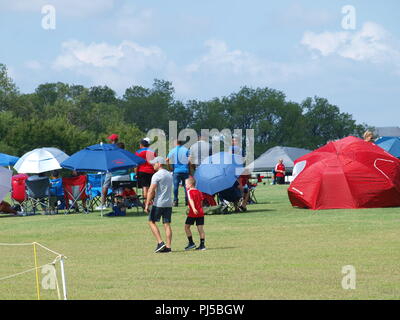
348 173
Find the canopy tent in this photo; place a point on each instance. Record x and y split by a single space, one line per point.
268 160
390 144
346 174
7 160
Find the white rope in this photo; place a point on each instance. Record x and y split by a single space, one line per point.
58 257
30 244
23 272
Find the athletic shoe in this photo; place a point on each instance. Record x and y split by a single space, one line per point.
201 248
85 210
175 203
160 247
166 250
190 246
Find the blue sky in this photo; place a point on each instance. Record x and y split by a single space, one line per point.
211 48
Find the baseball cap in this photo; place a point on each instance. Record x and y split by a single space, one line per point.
160 160
113 137
144 142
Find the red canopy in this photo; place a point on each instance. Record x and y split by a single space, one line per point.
346 174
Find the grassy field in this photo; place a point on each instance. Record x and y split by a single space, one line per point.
273 251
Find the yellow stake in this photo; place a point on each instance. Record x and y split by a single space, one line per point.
37 271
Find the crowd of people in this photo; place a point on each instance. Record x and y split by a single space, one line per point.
160 179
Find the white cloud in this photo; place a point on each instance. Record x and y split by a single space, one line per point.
115 65
221 60
370 44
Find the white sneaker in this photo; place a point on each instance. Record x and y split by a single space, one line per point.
103 207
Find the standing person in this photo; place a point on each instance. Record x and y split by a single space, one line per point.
280 172
199 151
235 149
113 139
369 136
179 158
145 171
160 197
196 214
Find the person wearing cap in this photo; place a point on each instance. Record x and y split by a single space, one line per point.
178 157
145 171
159 203
113 138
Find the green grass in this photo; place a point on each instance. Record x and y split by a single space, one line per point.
273 251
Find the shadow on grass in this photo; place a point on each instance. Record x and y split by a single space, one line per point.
208 249
8 215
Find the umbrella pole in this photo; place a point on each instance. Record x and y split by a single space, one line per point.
102 187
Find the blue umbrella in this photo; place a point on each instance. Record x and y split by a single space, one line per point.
7 160
218 172
102 157
390 144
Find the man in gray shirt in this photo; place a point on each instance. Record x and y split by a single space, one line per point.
160 197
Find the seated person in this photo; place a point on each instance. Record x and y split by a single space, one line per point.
244 184
5 207
128 198
232 194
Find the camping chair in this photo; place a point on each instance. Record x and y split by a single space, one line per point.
57 200
38 192
94 189
18 192
119 185
74 190
229 199
208 200
252 190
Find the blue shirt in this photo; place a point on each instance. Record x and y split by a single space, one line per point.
179 158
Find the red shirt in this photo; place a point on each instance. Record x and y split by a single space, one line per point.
129 193
197 197
148 155
280 166
244 180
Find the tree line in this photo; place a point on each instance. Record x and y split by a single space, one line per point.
71 117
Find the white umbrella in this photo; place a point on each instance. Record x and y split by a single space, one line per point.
5 182
40 160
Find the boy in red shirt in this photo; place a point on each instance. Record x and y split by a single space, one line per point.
196 214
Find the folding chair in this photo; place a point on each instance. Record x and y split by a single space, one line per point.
18 191
38 192
94 189
74 190
229 199
252 197
57 200
119 185
208 200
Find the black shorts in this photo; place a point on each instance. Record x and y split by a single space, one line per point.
156 213
191 220
144 179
